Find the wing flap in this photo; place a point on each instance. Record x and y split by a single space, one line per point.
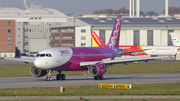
122 60
130 59
134 51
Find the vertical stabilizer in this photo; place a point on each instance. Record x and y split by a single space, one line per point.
175 39
115 35
96 40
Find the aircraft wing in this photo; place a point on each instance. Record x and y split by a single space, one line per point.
22 59
122 60
134 51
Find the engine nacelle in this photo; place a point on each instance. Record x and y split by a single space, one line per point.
96 70
37 72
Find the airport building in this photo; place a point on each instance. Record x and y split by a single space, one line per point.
134 31
32 26
7 38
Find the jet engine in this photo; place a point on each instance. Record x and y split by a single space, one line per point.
37 72
96 70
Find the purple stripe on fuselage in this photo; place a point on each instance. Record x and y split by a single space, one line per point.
84 54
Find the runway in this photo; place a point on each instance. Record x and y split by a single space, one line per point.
94 97
78 80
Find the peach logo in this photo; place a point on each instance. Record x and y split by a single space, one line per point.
115 33
64 52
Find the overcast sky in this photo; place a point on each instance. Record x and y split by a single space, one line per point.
88 6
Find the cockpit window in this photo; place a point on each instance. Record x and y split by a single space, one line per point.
43 55
37 55
50 55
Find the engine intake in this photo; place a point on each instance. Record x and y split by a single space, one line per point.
96 70
37 72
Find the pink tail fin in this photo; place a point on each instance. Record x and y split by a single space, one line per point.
115 35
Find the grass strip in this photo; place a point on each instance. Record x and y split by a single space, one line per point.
24 70
82 99
137 89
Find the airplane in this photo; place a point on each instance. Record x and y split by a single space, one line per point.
175 39
93 59
146 50
130 50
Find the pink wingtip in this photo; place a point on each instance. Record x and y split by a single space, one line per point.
175 55
5 55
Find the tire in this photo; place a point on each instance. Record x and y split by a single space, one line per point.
95 78
63 77
101 77
58 76
47 79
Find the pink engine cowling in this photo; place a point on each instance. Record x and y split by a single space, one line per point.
37 72
96 70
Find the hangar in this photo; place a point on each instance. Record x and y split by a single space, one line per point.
148 31
32 26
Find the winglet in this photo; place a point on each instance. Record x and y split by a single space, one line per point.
3 57
175 55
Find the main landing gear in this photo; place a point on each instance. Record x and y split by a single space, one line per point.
99 77
60 76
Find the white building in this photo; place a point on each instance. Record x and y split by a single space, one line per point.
33 26
134 31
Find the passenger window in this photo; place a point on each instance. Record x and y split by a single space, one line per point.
47 55
42 55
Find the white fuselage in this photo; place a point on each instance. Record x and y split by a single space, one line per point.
161 50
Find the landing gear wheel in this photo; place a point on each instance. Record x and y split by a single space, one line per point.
63 77
58 76
101 77
95 78
48 79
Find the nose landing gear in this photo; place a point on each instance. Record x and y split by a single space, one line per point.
58 76
48 78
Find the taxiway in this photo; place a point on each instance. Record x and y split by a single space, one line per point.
79 80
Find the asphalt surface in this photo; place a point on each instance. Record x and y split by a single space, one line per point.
92 97
78 80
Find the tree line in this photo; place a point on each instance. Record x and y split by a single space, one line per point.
171 10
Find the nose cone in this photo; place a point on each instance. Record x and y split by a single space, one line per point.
43 63
37 63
